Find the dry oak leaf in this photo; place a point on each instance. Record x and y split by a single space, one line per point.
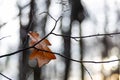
42 57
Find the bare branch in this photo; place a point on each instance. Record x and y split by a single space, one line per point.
56 21
4 37
95 62
2 25
15 52
34 44
75 38
87 72
95 35
48 15
5 76
79 61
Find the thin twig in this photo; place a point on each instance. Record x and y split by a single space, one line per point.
95 35
56 21
36 43
79 61
15 52
48 15
4 37
2 25
5 76
87 72
95 62
65 36
75 38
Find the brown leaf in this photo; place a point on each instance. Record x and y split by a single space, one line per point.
43 57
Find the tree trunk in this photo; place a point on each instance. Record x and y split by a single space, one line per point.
24 67
37 73
77 13
67 49
81 54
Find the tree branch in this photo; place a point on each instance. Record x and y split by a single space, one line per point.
4 37
87 72
79 61
38 41
95 35
2 25
5 76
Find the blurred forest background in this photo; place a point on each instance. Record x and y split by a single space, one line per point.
79 18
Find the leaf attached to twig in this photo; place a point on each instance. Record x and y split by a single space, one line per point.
41 52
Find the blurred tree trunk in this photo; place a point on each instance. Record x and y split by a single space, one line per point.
77 13
41 26
32 25
67 51
24 67
42 23
105 39
81 46
104 54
